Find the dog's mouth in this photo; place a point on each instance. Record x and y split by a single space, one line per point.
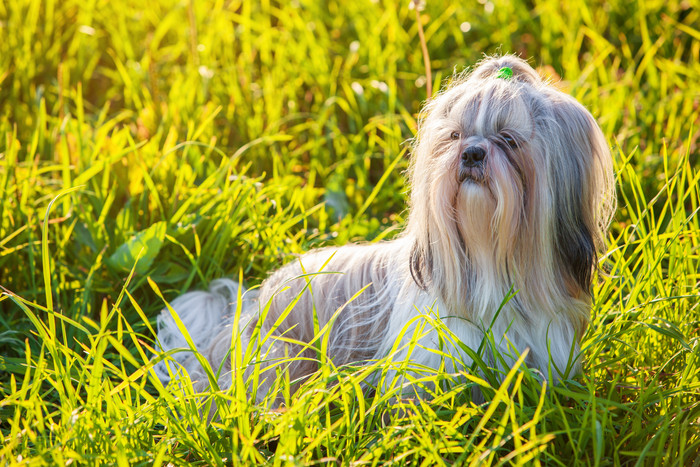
471 174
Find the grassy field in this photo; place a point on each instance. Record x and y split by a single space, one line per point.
218 138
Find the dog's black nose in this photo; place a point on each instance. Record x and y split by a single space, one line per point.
473 155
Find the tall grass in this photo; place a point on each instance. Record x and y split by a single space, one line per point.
145 151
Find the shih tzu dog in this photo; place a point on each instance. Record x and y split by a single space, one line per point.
511 189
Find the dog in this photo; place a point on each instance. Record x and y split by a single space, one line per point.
511 189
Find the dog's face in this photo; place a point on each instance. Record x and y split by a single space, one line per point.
511 182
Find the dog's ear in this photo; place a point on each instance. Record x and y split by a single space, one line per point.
421 266
576 251
581 171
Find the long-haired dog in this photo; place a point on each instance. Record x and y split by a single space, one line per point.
512 188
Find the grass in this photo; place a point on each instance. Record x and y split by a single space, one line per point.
217 138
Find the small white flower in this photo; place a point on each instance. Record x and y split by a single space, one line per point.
357 87
205 72
381 85
85 29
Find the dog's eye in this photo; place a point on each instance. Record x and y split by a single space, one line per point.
510 141
454 136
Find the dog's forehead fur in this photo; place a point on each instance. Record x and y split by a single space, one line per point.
492 107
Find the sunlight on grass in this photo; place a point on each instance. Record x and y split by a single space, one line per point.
146 151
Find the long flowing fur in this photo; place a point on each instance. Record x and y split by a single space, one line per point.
533 219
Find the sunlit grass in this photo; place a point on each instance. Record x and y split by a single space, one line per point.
213 138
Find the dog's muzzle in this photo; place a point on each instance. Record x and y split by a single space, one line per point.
471 166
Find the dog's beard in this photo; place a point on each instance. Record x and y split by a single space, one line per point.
476 224
474 214
467 174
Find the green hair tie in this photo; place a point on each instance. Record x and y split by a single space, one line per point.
505 72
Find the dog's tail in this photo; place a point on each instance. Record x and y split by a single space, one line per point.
203 314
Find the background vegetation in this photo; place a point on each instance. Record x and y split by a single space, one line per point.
224 136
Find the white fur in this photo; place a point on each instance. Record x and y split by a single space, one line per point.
533 219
